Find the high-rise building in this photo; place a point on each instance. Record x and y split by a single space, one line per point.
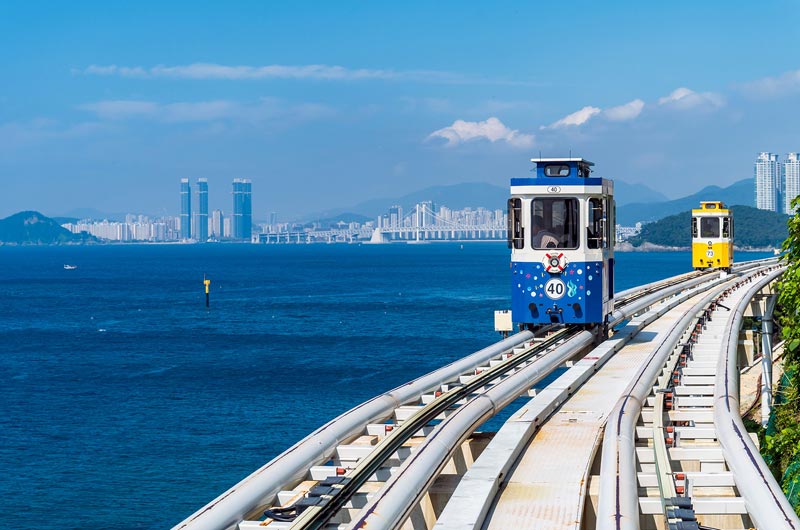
217 223
200 225
242 209
186 209
428 213
767 182
395 216
791 179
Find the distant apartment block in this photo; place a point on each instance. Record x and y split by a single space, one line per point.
791 179
242 209
200 220
186 209
217 219
135 228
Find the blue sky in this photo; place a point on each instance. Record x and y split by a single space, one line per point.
327 104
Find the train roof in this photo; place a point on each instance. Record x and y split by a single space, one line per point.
566 171
711 207
551 160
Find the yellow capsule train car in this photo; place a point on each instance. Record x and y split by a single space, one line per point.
712 236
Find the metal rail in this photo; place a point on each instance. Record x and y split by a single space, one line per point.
478 487
420 470
618 502
765 501
317 516
390 506
258 489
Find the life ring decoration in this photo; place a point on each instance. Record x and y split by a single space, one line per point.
555 263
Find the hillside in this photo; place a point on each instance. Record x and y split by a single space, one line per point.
752 228
740 192
33 228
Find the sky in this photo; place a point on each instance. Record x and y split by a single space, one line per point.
323 105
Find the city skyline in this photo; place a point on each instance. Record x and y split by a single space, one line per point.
103 104
776 182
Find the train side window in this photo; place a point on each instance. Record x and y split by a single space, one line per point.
709 227
596 236
516 232
556 170
726 227
695 220
555 223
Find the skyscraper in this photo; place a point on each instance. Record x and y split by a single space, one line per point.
186 209
217 223
767 182
791 179
242 209
200 230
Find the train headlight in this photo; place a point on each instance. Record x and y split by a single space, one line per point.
555 263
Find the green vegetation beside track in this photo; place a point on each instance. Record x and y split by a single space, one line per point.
780 442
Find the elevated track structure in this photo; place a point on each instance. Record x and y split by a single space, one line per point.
638 431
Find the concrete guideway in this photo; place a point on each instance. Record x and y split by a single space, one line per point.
547 488
412 485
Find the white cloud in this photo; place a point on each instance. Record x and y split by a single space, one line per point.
492 129
200 71
205 111
684 98
576 118
785 83
625 112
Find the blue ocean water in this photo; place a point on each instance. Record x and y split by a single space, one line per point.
126 403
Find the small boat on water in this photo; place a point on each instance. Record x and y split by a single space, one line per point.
70 267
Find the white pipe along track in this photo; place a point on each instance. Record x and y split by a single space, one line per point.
618 501
389 507
405 488
258 489
766 503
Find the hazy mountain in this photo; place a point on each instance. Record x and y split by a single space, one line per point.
473 195
740 192
625 193
92 213
456 197
33 228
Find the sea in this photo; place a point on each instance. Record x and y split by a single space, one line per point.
126 403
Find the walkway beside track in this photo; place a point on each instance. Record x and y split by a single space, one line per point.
547 489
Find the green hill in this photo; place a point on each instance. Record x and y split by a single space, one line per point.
33 228
752 228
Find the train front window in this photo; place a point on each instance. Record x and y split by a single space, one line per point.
709 227
554 223
556 170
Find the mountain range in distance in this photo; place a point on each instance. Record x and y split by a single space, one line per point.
635 202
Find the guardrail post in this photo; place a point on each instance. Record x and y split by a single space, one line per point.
766 359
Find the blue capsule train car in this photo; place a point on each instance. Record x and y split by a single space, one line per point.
561 236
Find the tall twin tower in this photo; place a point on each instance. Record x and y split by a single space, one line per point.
196 226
